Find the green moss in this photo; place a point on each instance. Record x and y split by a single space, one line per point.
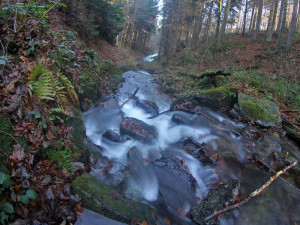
262 111
108 68
7 142
78 133
89 85
100 198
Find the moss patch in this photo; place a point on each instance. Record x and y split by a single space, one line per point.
102 199
113 73
7 142
89 85
261 111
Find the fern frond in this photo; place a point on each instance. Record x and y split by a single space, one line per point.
38 69
70 90
44 87
61 97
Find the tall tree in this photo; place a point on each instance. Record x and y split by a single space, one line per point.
245 18
259 15
224 21
270 22
292 27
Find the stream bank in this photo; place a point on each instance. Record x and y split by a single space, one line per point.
174 160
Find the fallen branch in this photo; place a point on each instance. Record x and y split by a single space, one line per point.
268 168
213 74
132 96
253 194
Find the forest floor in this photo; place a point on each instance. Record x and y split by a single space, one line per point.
257 68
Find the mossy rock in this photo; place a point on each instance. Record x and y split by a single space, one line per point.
78 134
150 67
102 199
89 85
216 98
113 73
7 142
261 111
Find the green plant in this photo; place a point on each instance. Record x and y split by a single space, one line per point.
6 209
48 87
62 156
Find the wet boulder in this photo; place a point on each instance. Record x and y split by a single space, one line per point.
219 98
112 136
149 107
261 111
217 199
102 199
198 151
138 129
176 185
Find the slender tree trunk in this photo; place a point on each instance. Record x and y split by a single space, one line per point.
208 22
219 18
292 27
252 16
280 17
283 23
239 21
224 22
254 20
260 9
269 29
274 17
198 26
245 18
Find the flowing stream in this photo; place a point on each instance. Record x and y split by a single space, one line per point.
163 175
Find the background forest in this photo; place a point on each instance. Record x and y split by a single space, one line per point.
57 58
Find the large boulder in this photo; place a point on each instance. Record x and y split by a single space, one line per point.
137 129
149 107
261 111
217 199
219 98
102 199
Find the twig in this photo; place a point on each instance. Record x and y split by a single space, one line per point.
10 136
16 15
44 16
267 167
253 194
4 152
132 96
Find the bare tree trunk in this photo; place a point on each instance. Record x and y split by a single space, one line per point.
252 16
208 22
198 26
245 18
274 17
280 17
219 18
239 22
283 23
224 22
292 27
260 8
254 20
270 21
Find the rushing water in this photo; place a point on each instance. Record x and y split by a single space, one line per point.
140 174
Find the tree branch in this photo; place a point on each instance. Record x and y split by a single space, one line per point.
253 194
44 16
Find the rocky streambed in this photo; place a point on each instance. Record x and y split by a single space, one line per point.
167 162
